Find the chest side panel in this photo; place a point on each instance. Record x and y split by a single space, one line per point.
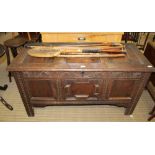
123 85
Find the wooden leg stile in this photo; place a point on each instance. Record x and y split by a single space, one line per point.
24 94
8 60
132 106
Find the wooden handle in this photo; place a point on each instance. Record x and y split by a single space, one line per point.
94 55
95 49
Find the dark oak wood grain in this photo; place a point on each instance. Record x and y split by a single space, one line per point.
61 81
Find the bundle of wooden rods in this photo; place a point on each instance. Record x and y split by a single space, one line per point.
93 48
87 49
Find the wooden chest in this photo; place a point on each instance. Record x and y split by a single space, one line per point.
59 81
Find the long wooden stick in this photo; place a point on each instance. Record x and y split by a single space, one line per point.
95 47
86 46
94 56
91 45
78 53
91 50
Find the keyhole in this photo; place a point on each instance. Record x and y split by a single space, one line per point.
82 73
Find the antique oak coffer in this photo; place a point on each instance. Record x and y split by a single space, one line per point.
83 81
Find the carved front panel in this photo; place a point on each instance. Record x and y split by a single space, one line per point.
84 74
83 89
133 75
43 74
64 74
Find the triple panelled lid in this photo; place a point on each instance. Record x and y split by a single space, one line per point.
133 61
